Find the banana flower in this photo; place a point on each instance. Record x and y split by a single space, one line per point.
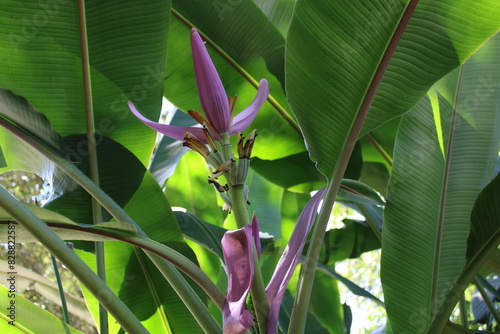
217 106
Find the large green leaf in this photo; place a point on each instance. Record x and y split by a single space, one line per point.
348 242
201 232
279 12
188 188
40 46
132 276
492 264
445 154
352 191
334 48
482 246
377 148
327 306
118 182
294 171
298 173
130 273
265 200
18 113
313 325
353 287
27 317
485 219
378 145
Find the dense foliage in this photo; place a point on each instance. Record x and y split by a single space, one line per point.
390 107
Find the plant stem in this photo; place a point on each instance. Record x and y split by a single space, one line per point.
60 250
487 300
301 305
259 297
487 286
195 305
92 152
154 247
239 208
472 267
379 148
61 290
187 295
463 312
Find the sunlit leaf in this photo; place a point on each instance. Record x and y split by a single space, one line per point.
440 166
27 317
335 47
18 114
40 45
326 306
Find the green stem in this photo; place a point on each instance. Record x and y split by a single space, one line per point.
61 290
85 275
487 300
187 295
491 289
227 149
464 316
195 305
301 305
154 247
92 152
178 283
259 297
472 267
239 208
379 148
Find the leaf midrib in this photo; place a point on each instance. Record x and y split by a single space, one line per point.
444 189
152 289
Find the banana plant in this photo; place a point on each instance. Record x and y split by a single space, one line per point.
389 107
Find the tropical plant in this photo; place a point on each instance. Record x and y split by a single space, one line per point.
389 107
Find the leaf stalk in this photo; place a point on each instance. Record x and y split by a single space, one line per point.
92 152
301 305
182 288
60 250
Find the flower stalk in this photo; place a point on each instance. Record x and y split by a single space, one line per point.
258 292
218 124
299 313
92 151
